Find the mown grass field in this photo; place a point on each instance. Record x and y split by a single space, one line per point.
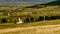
40 23
46 10
43 27
32 31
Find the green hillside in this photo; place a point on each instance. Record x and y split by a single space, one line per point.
54 3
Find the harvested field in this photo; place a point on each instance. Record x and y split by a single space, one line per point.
48 29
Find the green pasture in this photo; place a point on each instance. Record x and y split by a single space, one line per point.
40 23
28 12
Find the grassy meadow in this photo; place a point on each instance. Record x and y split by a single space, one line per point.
40 23
35 30
33 12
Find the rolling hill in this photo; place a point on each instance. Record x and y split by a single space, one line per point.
7 3
54 3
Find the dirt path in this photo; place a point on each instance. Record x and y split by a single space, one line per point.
47 28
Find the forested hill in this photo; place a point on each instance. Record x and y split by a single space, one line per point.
54 3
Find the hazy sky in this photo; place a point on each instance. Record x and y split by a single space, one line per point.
24 1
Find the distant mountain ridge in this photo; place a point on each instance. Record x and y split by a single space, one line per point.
54 3
21 2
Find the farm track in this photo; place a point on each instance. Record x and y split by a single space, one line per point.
47 29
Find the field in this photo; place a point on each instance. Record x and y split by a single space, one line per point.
49 29
37 19
40 23
35 27
43 27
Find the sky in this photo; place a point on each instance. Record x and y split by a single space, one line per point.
24 1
